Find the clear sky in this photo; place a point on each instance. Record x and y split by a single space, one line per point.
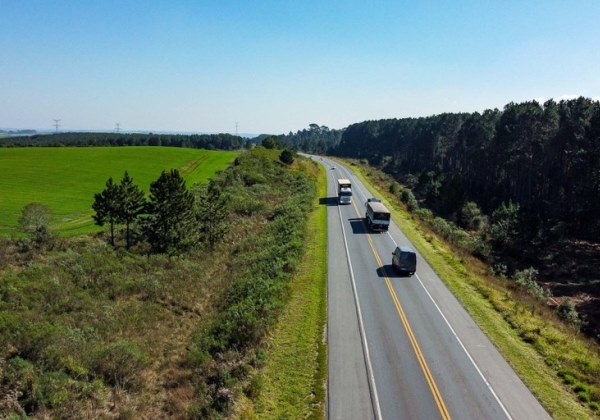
274 66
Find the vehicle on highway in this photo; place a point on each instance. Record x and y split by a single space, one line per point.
376 215
344 191
404 260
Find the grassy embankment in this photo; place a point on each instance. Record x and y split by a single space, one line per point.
96 332
559 366
296 368
66 178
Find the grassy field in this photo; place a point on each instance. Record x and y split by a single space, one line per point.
65 179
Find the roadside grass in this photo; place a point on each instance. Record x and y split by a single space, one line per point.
560 367
66 178
293 379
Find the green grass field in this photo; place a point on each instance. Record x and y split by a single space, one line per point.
66 178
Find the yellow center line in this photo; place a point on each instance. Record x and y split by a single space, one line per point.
413 341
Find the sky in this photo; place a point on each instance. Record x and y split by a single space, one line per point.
275 66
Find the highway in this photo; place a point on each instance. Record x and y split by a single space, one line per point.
403 347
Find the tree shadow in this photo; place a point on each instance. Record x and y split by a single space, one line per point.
358 227
328 201
389 271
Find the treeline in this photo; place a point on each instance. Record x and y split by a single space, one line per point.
198 141
316 139
543 159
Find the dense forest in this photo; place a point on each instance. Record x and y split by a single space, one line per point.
197 141
518 187
316 139
544 158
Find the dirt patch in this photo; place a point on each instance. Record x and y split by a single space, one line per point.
571 269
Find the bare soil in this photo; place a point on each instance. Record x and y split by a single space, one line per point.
571 269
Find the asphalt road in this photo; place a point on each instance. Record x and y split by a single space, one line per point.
403 347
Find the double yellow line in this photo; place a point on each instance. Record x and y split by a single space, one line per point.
413 341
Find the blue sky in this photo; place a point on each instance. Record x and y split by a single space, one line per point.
276 66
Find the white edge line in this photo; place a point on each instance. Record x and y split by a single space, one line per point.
372 385
460 342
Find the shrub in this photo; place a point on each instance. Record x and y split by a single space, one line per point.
119 363
471 217
35 220
527 279
568 313
408 198
394 187
424 214
286 157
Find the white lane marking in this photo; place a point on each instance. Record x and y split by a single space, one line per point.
372 385
460 342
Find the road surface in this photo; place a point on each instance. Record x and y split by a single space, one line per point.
403 347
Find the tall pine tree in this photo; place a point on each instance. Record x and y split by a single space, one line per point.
132 203
170 224
212 214
107 207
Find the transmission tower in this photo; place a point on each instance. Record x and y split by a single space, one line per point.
236 128
118 127
56 124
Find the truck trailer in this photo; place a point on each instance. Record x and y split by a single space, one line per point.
344 191
376 215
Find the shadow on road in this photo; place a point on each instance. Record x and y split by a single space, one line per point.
328 201
389 272
358 227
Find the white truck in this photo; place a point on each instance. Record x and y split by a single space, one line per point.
376 215
344 191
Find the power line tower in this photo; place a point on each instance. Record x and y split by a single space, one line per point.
118 127
56 124
236 128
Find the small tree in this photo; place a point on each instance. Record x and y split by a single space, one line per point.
286 157
35 220
107 206
170 225
132 203
504 225
471 216
212 212
271 142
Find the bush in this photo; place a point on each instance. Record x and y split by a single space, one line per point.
424 214
527 279
568 313
394 187
119 364
286 157
471 217
408 198
35 220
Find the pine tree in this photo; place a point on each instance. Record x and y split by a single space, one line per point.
212 212
107 207
132 203
170 225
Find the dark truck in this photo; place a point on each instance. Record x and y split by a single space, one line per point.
404 260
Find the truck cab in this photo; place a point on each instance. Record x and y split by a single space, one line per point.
344 191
